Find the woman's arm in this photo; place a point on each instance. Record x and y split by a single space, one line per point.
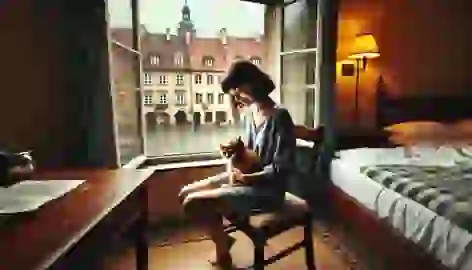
284 155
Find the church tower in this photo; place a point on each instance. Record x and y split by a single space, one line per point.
186 24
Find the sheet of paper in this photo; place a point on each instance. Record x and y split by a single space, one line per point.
30 195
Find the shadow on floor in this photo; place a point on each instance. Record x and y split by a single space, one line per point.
168 252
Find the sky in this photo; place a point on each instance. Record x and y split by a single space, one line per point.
209 16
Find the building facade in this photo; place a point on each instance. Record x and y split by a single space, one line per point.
182 73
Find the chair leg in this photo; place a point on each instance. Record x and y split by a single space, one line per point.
309 249
258 255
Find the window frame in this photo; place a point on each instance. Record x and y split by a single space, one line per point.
210 98
163 80
147 97
208 61
147 80
221 97
200 99
208 81
255 59
165 97
179 79
156 58
299 51
178 59
198 76
135 50
180 101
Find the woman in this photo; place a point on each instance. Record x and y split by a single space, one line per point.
270 133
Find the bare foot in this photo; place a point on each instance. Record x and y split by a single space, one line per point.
224 261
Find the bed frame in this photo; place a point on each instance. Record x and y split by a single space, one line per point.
392 110
379 235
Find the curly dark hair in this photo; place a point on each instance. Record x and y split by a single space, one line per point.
244 72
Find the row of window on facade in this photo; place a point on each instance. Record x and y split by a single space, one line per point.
180 99
179 79
207 61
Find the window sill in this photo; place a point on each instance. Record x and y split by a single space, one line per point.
188 161
190 164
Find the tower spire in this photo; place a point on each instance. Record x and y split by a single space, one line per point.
186 24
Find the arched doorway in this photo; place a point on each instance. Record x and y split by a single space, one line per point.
162 118
220 117
180 117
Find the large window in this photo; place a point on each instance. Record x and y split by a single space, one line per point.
298 59
126 77
180 117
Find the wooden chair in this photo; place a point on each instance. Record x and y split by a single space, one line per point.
295 212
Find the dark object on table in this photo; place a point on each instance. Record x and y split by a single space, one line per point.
15 167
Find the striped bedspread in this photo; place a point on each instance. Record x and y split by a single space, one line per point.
445 190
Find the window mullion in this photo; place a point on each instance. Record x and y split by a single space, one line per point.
139 68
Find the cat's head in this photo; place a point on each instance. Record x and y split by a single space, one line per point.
15 159
232 148
15 166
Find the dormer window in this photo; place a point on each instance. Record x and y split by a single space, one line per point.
255 60
154 60
178 59
208 61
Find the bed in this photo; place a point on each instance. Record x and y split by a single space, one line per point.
407 195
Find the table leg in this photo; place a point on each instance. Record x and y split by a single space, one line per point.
141 244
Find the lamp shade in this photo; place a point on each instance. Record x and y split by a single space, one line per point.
364 47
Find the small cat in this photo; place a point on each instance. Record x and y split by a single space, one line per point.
240 157
15 167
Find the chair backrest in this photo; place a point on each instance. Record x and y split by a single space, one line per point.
303 182
309 134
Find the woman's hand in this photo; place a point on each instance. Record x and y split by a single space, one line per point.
238 177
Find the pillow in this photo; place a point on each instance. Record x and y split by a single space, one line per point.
413 132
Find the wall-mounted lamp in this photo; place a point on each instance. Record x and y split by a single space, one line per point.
364 48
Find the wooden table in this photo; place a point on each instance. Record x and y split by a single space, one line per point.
67 230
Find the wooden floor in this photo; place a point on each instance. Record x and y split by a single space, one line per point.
194 255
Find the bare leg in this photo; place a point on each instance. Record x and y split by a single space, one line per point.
205 184
203 207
